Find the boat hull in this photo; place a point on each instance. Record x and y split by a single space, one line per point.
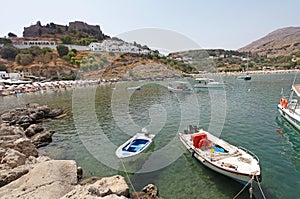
290 116
242 178
134 146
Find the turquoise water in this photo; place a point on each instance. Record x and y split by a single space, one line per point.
251 120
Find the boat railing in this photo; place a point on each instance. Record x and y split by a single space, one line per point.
250 152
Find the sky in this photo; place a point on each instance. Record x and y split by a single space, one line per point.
226 24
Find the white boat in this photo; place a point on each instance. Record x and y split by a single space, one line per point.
290 108
180 87
135 145
208 83
235 162
244 77
134 88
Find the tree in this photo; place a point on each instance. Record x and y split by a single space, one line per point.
2 67
65 39
62 50
35 50
5 41
8 52
46 49
24 59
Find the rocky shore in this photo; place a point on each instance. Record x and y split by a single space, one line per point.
24 173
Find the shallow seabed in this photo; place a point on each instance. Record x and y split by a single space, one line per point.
251 121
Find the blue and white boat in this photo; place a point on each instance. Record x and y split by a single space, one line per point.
135 145
235 162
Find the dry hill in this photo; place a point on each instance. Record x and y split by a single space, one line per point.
279 42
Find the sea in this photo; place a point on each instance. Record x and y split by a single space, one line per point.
100 118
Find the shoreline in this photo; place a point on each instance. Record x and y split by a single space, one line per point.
255 72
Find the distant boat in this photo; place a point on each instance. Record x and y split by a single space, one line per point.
180 86
134 88
135 145
244 77
235 162
290 108
208 83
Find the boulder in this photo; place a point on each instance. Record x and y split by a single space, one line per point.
33 129
45 109
24 145
108 187
117 185
9 134
55 113
9 175
42 139
149 191
6 117
24 119
13 158
50 179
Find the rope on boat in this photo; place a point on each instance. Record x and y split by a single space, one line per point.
129 178
260 188
251 188
250 181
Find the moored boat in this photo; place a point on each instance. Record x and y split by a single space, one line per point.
235 162
134 88
244 77
290 108
208 83
180 87
135 145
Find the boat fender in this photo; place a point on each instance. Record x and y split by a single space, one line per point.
284 103
193 153
281 101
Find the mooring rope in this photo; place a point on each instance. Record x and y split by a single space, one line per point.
260 188
129 179
250 181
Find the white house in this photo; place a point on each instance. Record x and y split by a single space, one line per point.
14 76
110 45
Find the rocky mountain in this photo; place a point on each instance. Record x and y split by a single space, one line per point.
283 41
38 30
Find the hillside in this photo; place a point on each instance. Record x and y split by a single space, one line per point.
283 41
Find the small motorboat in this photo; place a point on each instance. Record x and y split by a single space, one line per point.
244 77
235 162
135 145
180 87
134 88
207 83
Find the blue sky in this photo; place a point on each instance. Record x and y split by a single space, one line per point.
228 24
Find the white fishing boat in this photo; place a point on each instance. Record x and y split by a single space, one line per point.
134 88
289 108
135 145
235 162
180 87
244 77
207 83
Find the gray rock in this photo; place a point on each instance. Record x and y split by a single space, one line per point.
13 158
24 145
50 179
55 113
108 187
9 175
42 139
33 129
